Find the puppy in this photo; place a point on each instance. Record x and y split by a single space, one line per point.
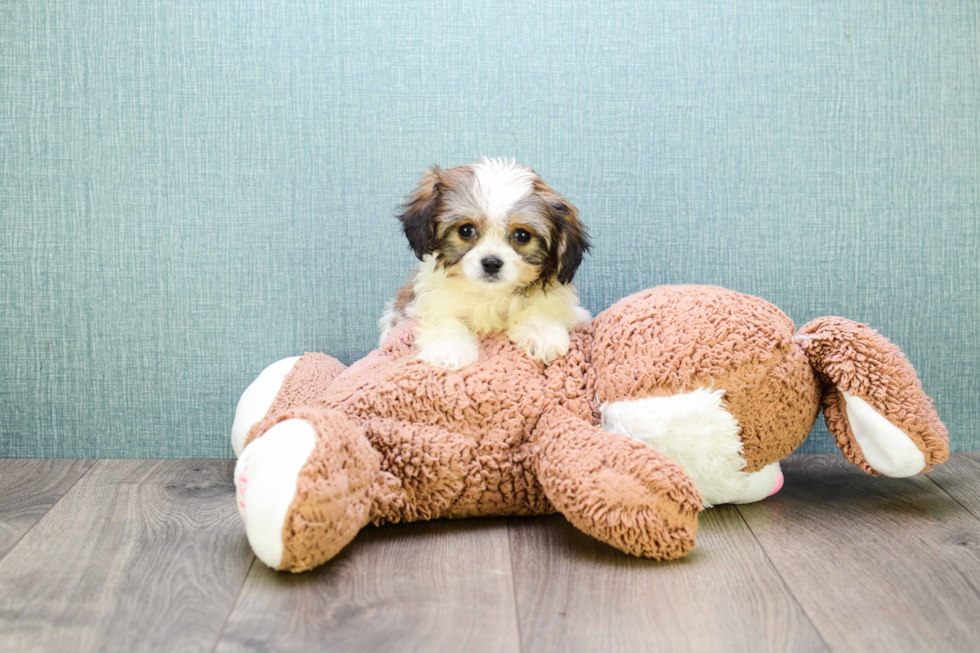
499 249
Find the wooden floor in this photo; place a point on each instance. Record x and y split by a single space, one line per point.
125 555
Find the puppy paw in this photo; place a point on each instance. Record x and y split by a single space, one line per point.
453 351
541 341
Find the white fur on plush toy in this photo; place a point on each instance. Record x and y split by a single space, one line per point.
696 431
265 480
885 446
256 400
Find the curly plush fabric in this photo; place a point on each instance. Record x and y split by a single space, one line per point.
305 384
621 492
675 339
399 440
456 442
854 358
334 496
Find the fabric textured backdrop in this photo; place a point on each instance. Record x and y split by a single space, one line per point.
190 191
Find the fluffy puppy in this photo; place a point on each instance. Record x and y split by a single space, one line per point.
499 249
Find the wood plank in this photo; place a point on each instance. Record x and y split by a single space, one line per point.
577 594
877 563
959 477
429 586
28 489
137 556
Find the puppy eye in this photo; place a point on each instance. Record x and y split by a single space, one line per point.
521 236
466 232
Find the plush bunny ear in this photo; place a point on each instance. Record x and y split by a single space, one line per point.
419 212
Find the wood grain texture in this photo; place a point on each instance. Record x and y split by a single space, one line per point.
878 564
151 555
137 556
577 594
28 489
431 586
960 479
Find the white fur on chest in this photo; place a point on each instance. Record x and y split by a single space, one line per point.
483 310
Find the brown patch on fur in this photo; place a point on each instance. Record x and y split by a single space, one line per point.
570 238
424 217
404 297
439 205
450 246
419 212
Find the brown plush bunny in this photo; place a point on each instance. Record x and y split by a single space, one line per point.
674 399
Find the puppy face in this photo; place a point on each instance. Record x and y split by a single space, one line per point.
496 224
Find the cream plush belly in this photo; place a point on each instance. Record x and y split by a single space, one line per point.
696 431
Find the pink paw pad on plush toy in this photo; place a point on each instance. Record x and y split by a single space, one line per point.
777 486
673 400
241 486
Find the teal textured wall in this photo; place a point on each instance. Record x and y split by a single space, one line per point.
192 190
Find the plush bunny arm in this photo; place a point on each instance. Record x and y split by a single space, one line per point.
873 402
615 489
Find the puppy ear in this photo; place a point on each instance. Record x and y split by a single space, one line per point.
571 240
419 213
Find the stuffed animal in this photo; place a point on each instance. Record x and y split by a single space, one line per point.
672 400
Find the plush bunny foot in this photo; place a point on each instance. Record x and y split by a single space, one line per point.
304 488
265 480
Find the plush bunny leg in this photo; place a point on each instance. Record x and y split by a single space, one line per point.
873 402
696 431
305 488
616 489
291 382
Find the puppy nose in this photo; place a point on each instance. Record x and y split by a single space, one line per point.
492 264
